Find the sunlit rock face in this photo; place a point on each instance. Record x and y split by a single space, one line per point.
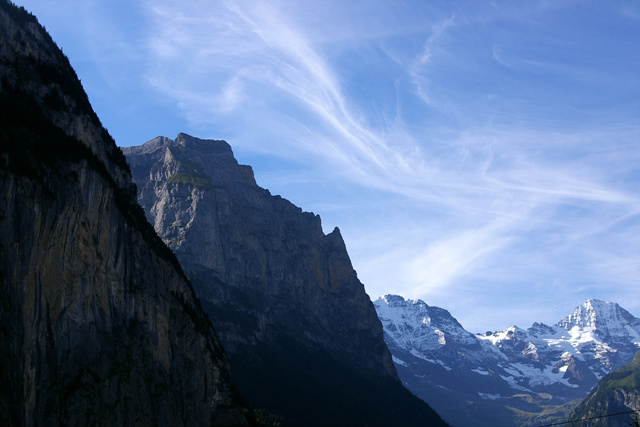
98 323
223 226
512 377
283 296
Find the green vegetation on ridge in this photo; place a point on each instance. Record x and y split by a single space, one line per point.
188 173
607 396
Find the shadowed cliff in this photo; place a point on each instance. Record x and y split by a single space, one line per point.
98 323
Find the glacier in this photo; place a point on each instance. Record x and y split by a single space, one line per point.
525 369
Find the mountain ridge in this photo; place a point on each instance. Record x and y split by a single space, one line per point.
303 338
617 393
531 371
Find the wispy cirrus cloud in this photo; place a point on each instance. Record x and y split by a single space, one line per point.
462 150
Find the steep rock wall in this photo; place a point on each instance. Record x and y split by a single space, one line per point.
303 338
224 227
98 323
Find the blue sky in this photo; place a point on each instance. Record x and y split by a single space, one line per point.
483 156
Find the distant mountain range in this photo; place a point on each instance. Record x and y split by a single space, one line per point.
106 319
512 377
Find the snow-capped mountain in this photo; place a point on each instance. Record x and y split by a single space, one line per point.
425 332
515 376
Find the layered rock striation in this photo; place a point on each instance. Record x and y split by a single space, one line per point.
98 323
304 340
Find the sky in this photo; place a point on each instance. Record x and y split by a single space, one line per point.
483 156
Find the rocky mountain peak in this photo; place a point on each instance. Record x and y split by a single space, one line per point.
216 146
538 329
605 319
590 314
283 296
188 160
209 209
398 301
414 324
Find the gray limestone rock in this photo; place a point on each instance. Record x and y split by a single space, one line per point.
225 228
303 337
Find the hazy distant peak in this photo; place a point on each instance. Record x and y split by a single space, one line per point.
604 317
397 301
414 324
454 370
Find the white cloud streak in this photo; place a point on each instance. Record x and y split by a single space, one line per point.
498 177
473 155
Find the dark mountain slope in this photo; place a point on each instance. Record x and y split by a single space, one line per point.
98 323
302 336
617 392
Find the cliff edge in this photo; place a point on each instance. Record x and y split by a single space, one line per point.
98 323
303 337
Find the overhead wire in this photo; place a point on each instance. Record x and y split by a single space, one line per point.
587 419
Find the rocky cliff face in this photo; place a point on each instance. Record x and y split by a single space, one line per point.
283 296
512 377
224 227
98 323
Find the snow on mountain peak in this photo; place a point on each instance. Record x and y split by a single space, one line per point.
433 352
604 319
597 337
412 324
589 314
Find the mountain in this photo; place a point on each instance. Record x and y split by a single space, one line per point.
98 323
304 341
513 377
617 393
